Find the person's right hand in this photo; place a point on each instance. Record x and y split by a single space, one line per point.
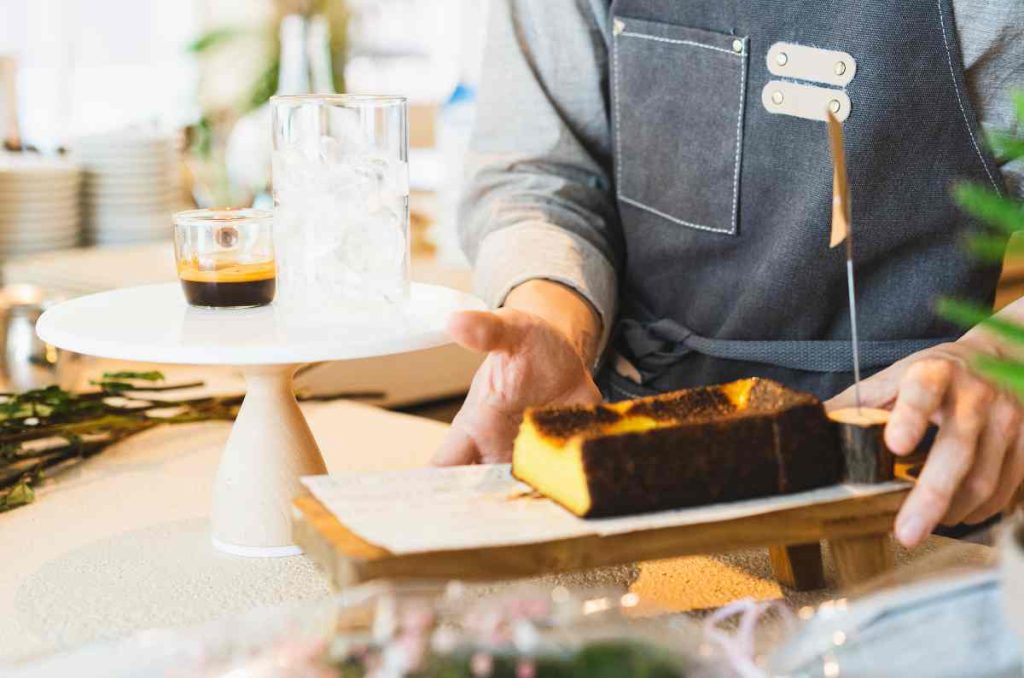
529 363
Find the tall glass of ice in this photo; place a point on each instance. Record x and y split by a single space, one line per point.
341 201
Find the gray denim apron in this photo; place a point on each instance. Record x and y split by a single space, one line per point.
726 207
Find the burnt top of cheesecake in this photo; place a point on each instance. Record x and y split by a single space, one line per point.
738 399
565 422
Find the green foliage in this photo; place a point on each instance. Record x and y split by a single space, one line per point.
201 137
1007 147
214 38
116 382
995 248
50 428
263 88
1004 217
19 495
596 659
1002 212
265 84
50 402
47 428
134 376
1006 373
967 315
207 136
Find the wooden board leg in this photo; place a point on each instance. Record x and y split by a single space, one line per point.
858 559
798 566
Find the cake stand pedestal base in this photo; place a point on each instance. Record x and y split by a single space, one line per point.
269 449
271 446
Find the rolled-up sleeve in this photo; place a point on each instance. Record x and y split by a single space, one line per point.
539 201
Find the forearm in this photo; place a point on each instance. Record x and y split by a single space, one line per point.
985 340
536 251
539 202
563 308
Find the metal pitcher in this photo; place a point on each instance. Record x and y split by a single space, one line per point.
27 362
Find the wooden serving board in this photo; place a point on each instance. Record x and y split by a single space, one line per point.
857 529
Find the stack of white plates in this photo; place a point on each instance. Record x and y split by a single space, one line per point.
132 186
39 204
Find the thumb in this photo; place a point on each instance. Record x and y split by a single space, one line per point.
485 331
875 391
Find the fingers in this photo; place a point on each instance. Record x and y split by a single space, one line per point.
950 459
485 331
875 391
1009 479
983 480
922 392
845 399
457 449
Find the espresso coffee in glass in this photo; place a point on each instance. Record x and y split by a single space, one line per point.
225 257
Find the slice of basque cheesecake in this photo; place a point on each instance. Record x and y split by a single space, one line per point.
745 439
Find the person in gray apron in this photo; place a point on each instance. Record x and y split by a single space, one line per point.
653 176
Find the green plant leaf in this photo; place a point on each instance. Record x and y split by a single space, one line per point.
264 87
134 376
201 134
1007 215
19 495
1006 373
996 210
990 248
116 382
49 428
993 247
1007 147
969 315
214 38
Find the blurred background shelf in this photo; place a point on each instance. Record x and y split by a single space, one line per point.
117 113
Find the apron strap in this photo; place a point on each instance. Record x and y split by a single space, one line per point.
659 344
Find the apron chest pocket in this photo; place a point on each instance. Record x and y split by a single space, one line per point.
678 95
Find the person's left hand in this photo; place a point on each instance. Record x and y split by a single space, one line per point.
977 461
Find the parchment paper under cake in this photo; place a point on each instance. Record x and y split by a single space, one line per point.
434 509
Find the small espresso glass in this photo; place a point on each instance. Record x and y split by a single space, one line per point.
225 257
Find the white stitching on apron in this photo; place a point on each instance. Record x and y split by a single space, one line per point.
739 138
739 129
959 98
682 222
658 38
614 114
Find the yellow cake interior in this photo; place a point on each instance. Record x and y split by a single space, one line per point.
555 470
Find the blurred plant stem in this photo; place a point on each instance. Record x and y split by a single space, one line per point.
48 429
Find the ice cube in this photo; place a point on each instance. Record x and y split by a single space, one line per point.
340 225
376 245
330 150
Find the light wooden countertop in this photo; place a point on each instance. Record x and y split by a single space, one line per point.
121 543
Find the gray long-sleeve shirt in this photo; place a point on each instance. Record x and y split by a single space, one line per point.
540 202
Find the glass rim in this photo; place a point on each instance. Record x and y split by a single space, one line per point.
341 99
221 216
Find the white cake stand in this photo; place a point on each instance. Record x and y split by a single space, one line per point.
270 446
